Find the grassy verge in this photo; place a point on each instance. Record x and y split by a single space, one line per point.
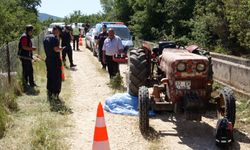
34 125
8 104
243 113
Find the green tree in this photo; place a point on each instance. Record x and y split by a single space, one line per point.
14 16
237 13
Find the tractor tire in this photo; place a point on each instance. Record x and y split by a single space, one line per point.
226 104
143 110
139 70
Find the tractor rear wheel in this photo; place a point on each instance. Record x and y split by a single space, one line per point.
139 70
143 110
226 104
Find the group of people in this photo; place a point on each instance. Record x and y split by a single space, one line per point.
55 56
108 45
77 32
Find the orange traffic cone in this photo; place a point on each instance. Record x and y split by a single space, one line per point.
63 76
101 141
80 41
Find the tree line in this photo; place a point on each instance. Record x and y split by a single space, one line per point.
15 15
219 25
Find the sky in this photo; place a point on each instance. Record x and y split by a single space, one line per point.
62 8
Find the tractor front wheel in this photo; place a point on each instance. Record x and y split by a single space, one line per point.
226 105
143 110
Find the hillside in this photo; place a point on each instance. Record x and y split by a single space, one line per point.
44 16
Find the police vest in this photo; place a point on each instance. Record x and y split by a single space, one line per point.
76 31
21 51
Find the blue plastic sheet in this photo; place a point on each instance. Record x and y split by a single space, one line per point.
124 104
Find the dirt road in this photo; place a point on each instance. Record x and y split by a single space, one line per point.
89 87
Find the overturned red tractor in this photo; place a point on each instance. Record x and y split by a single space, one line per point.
178 79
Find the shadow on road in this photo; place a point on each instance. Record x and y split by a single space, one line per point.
196 135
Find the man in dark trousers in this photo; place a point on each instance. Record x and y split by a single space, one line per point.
100 40
76 33
66 39
53 64
86 28
25 53
112 45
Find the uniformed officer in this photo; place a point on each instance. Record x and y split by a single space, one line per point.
100 40
76 33
53 63
25 53
112 45
66 39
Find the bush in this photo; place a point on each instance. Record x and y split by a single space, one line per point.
7 104
3 120
116 82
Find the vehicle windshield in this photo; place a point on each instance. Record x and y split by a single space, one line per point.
123 33
52 25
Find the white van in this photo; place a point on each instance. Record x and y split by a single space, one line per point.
61 24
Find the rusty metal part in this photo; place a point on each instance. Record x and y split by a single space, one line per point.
156 93
165 81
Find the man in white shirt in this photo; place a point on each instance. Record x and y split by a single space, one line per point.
112 45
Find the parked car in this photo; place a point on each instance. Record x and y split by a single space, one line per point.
90 39
120 29
61 24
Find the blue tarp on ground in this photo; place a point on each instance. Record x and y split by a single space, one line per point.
124 104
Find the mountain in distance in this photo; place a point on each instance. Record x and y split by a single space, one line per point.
44 16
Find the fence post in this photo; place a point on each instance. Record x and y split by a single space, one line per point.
38 44
8 62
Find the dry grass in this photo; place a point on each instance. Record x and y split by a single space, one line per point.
34 126
8 104
243 113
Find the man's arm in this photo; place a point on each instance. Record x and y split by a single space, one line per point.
120 46
24 43
104 52
58 49
28 48
97 41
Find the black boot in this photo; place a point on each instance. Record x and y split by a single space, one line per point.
49 96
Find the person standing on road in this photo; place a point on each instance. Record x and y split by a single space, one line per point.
53 64
66 39
86 28
112 45
76 33
25 54
100 40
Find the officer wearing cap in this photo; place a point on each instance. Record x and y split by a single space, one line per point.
66 39
25 53
100 40
53 64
